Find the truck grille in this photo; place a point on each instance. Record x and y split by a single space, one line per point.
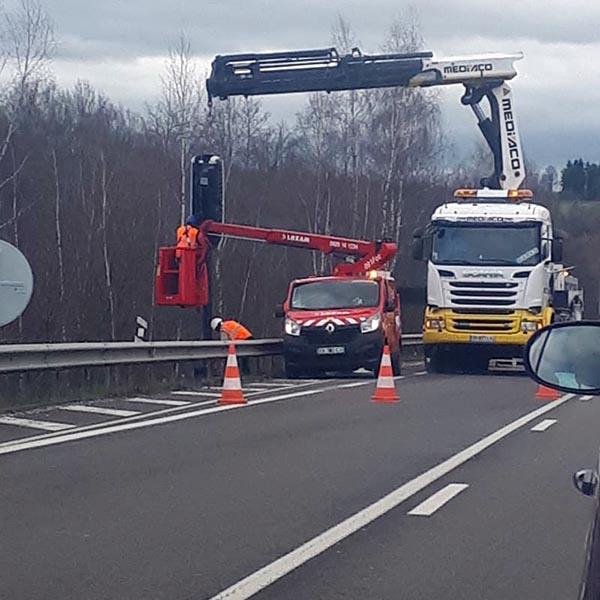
487 293
319 336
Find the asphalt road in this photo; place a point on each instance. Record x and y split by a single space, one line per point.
188 503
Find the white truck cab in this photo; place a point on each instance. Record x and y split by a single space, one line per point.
492 257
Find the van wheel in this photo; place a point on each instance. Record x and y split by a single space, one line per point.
292 372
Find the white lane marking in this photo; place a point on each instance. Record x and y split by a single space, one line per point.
79 434
270 573
437 500
586 398
140 416
35 424
420 373
275 385
98 410
191 393
543 425
158 402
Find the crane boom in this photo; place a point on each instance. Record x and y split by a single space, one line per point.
371 255
483 76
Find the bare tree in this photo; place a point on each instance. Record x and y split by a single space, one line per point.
29 35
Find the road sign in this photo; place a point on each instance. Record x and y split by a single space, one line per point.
16 283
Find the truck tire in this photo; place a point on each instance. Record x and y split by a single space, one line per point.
436 362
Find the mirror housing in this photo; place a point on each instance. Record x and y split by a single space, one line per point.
566 356
417 244
557 250
279 312
586 481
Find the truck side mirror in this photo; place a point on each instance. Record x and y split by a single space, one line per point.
279 312
557 250
417 244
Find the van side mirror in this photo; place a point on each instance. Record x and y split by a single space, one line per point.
417 244
279 312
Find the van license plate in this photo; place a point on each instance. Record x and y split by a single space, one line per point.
331 350
482 339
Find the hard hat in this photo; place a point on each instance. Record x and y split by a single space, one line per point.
192 220
215 323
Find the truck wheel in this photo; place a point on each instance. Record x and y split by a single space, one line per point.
436 362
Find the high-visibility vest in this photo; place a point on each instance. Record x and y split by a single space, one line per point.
233 330
187 237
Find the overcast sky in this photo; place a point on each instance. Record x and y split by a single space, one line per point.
120 45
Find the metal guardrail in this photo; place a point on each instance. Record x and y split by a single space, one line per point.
37 357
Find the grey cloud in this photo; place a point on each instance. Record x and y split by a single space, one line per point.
132 27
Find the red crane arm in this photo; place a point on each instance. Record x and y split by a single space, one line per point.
373 255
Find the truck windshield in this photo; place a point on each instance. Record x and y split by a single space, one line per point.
324 295
460 244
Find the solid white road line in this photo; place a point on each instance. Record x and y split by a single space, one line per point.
158 402
35 424
264 577
586 398
99 410
437 500
543 425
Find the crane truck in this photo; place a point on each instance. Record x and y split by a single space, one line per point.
335 323
494 272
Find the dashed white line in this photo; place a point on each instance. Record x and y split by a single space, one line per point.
35 424
158 402
543 425
420 373
586 398
259 580
99 410
437 500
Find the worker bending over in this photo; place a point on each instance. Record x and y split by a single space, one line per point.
230 330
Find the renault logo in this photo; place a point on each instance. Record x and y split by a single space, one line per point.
330 328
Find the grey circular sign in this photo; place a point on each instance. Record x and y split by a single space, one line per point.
16 283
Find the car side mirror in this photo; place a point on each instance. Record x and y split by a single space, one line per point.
279 312
566 357
557 250
586 481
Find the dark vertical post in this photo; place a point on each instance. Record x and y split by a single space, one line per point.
207 201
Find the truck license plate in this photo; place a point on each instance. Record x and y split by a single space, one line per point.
482 339
331 350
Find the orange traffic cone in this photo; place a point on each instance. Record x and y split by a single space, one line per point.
546 393
232 386
385 390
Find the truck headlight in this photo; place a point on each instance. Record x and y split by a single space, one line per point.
371 324
529 326
437 324
292 327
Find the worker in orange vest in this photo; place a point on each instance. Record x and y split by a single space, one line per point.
230 330
187 235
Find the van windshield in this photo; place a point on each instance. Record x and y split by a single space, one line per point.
324 295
